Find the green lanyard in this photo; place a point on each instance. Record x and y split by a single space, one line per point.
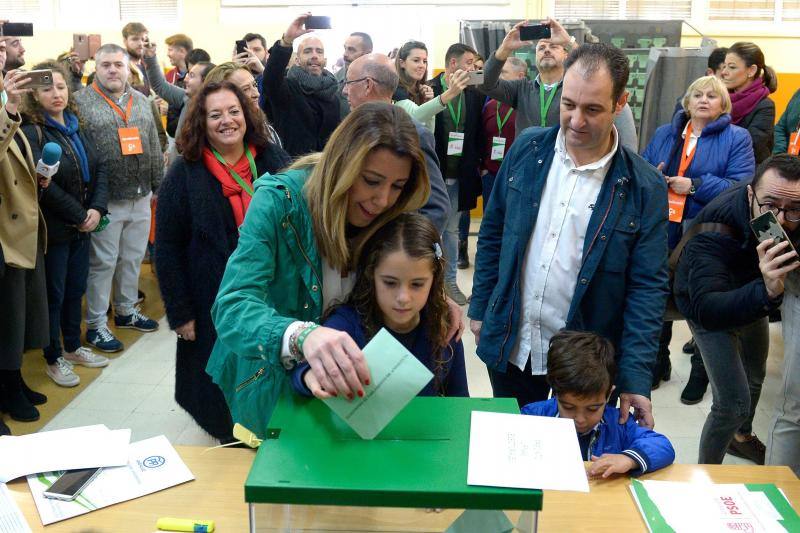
503 123
455 116
543 107
243 184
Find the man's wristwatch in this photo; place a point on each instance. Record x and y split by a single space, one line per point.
573 43
692 190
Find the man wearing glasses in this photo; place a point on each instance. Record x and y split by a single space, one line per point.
726 284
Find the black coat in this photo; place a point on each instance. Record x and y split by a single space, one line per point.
469 180
303 122
195 235
760 124
65 201
718 283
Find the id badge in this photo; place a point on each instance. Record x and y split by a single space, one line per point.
455 143
794 144
676 204
498 148
129 141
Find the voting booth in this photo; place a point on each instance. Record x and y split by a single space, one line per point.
314 473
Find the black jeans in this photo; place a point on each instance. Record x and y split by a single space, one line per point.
67 268
736 362
519 384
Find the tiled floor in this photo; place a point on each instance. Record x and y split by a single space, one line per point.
136 391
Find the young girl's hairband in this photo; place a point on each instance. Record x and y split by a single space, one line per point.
437 250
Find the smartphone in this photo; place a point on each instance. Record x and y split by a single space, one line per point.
241 47
71 483
39 79
17 29
80 45
534 33
475 77
318 23
767 227
95 42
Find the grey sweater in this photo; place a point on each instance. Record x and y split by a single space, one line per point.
132 176
523 95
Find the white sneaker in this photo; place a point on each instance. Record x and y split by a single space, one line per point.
62 373
86 357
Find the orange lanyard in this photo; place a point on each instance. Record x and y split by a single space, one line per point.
686 159
125 115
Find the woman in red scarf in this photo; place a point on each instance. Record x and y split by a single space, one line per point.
202 202
749 83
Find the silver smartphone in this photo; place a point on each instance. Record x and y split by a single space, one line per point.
71 483
475 77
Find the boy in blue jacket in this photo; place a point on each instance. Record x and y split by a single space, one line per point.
580 370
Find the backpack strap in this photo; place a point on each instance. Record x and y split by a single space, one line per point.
704 227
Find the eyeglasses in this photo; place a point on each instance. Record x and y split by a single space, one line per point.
791 214
345 83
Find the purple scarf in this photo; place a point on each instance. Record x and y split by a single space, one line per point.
745 101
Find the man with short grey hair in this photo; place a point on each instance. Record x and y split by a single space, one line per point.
373 78
120 122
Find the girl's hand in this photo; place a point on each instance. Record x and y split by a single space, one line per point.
336 361
610 463
456 328
313 385
427 92
14 85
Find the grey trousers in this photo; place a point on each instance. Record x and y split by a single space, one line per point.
783 441
115 258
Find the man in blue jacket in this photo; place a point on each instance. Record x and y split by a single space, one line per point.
576 238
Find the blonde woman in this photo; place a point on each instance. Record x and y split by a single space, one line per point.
296 255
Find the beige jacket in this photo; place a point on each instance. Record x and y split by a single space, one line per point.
21 221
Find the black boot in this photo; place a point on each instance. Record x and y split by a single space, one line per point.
463 256
697 385
36 398
4 429
662 370
15 403
688 348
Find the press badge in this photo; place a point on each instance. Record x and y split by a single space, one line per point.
794 144
129 141
677 202
455 143
498 148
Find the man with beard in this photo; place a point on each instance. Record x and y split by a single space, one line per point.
303 102
537 101
356 45
15 53
134 37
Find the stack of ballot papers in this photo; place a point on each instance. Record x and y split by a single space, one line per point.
525 452
671 506
81 447
396 377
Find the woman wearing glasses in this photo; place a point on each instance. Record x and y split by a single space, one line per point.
726 284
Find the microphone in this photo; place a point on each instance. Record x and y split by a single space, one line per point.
50 161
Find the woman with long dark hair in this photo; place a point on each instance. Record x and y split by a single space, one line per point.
202 203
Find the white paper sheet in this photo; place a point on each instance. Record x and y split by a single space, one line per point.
152 465
81 447
11 519
527 452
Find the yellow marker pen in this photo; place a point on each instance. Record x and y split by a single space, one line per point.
183 524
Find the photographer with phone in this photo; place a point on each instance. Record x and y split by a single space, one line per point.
535 102
303 101
726 284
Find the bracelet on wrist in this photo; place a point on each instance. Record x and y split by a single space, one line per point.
301 337
294 345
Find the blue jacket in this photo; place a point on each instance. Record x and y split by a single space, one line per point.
622 285
723 156
345 318
649 449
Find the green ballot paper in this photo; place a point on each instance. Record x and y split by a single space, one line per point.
396 377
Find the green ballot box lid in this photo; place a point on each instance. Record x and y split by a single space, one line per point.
311 457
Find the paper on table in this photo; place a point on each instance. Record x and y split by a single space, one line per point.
526 452
11 518
397 376
152 465
81 447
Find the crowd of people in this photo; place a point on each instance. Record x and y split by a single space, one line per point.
298 211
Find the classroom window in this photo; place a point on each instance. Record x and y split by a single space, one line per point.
162 11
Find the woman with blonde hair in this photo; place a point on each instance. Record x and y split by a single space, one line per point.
297 253
701 154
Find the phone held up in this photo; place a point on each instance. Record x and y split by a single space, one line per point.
40 79
71 483
85 46
318 23
475 77
16 29
766 226
534 32
241 47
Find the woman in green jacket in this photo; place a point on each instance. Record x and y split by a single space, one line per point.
296 251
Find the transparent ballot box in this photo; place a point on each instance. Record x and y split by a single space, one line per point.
313 473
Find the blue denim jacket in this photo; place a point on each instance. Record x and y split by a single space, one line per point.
622 284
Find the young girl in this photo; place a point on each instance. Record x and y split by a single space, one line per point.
400 287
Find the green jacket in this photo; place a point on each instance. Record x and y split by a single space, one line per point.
272 279
787 124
